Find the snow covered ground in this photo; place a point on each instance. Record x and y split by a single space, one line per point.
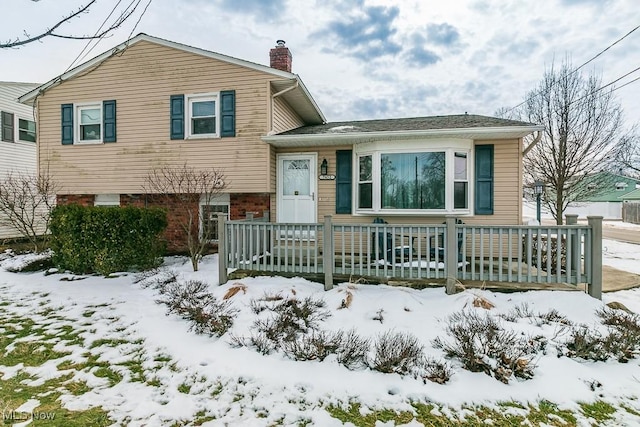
188 374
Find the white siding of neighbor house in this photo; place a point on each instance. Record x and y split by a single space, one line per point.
17 156
607 210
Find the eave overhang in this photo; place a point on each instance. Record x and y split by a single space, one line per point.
346 138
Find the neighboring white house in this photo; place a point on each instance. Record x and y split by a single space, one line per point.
17 136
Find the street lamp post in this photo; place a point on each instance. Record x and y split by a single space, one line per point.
539 188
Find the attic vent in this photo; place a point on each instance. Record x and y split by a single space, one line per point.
621 186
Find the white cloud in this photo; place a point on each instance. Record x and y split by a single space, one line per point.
474 56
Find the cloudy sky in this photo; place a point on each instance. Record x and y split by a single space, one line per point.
365 59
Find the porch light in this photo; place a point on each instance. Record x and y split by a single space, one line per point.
539 187
324 167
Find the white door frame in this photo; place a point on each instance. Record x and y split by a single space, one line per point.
313 165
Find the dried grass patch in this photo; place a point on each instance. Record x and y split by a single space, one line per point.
235 289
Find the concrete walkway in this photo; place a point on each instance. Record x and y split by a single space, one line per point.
617 280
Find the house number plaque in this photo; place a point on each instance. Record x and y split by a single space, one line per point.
326 177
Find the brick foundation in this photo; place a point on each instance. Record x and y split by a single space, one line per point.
177 215
243 203
75 199
240 205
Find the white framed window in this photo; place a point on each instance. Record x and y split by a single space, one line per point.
26 130
460 180
365 181
414 178
88 123
203 118
209 210
106 200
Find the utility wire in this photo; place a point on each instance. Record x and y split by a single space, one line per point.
92 40
609 84
140 18
587 62
124 12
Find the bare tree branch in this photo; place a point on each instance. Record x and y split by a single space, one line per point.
25 204
51 31
182 190
583 126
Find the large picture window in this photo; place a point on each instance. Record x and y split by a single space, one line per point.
409 179
412 180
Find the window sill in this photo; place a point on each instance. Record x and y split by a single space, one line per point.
204 136
96 142
397 212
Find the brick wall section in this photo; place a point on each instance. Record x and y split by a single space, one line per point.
177 215
75 199
243 203
240 205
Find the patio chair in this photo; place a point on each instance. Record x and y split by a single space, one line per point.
440 248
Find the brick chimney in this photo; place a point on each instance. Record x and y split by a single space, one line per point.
280 57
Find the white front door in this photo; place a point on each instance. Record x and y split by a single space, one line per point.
297 188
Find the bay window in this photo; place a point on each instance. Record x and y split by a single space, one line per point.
409 179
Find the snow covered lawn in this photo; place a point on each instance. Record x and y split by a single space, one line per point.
96 351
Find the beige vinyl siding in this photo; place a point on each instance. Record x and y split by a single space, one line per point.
507 189
142 81
284 117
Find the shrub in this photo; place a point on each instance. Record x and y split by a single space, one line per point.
482 345
316 345
353 350
396 352
106 239
621 341
289 317
436 371
192 301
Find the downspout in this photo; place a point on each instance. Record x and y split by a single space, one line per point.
533 143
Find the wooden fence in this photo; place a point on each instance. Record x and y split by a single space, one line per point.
631 212
570 254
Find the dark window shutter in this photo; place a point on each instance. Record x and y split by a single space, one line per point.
7 126
343 181
67 124
484 180
228 113
177 117
109 120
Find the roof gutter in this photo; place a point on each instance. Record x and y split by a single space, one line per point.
525 130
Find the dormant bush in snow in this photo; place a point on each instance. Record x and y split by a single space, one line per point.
621 341
483 345
316 345
195 303
436 371
353 351
288 318
524 311
397 352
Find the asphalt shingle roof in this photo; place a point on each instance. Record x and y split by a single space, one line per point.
407 124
